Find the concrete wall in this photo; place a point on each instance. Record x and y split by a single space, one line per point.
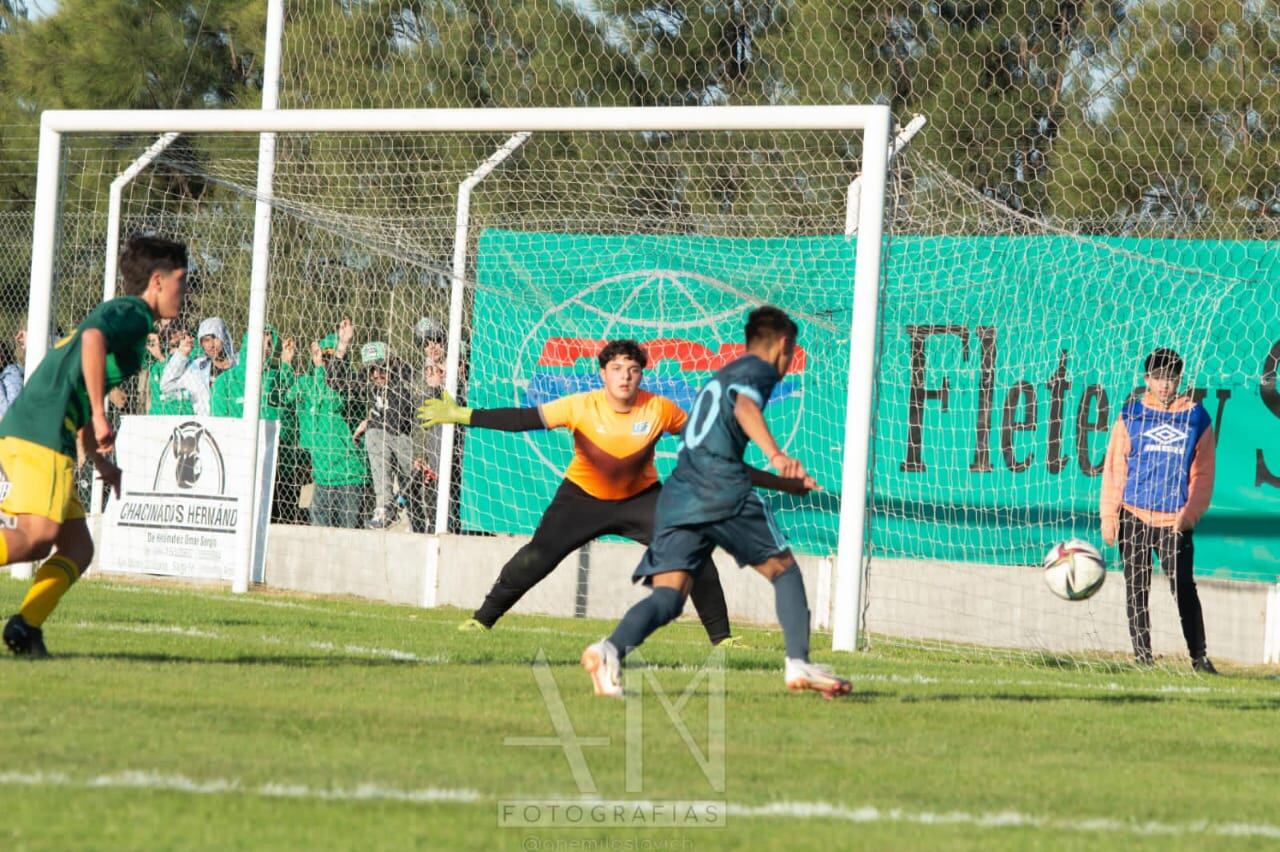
988 605
380 566
1010 607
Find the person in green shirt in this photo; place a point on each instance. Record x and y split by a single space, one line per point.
63 400
228 389
277 379
159 402
338 466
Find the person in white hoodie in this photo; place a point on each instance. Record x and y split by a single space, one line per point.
10 376
196 375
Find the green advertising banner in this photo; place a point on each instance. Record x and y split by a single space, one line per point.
545 304
1004 360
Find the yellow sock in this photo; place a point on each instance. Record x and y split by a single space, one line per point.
53 579
4 550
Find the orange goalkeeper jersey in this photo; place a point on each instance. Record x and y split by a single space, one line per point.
613 452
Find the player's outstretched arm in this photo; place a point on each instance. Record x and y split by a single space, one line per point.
751 419
773 482
444 410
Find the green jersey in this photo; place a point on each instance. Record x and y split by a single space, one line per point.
161 402
54 404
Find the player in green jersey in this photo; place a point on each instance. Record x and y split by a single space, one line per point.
63 398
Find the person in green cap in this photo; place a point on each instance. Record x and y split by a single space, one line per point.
338 465
396 459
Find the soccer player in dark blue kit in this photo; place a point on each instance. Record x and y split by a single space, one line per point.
708 502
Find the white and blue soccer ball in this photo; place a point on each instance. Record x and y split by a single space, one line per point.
1074 570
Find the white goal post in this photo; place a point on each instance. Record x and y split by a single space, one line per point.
872 122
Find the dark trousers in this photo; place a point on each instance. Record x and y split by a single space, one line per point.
1138 540
336 506
574 518
293 470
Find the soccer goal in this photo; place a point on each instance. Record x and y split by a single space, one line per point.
960 364
661 224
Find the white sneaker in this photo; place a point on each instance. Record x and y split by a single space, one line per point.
802 674
602 663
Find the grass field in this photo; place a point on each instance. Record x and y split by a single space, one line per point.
174 719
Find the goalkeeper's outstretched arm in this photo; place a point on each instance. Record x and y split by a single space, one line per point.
438 412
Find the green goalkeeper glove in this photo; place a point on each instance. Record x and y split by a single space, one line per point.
437 412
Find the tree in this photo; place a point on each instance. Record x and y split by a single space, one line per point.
1187 141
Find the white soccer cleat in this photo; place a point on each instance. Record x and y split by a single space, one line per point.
801 674
602 663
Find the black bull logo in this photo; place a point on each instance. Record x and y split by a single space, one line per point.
186 453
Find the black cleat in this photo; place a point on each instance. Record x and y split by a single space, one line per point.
1203 665
23 639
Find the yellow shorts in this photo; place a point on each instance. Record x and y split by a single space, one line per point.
36 480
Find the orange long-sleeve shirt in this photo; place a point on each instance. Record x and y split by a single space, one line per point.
1115 475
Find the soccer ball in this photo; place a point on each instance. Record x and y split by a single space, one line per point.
1074 570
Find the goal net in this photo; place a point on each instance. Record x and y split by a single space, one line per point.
665 237
1009 348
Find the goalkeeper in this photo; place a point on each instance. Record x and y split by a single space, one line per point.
610 487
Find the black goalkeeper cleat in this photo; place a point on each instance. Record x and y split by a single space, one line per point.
23 639
1203 665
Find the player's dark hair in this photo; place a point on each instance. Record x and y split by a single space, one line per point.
6 353
623 349
144 256
1164 361
768 323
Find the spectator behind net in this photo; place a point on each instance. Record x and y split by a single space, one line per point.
320 396
197 375
10 376
159 402
389 437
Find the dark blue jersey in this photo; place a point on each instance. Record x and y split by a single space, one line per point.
710 481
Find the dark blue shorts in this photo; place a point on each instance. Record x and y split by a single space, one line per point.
751 537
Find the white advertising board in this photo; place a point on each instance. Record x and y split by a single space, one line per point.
181 509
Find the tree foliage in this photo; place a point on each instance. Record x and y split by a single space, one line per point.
1159 117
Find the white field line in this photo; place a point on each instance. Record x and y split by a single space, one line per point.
931 680
1002 819
1102 686
908 680
1111 686
328 647
361 650
135 779
150 629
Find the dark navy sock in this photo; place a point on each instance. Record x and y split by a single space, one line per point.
793 611
646 616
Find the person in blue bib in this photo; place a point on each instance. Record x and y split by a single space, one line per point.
1156 483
